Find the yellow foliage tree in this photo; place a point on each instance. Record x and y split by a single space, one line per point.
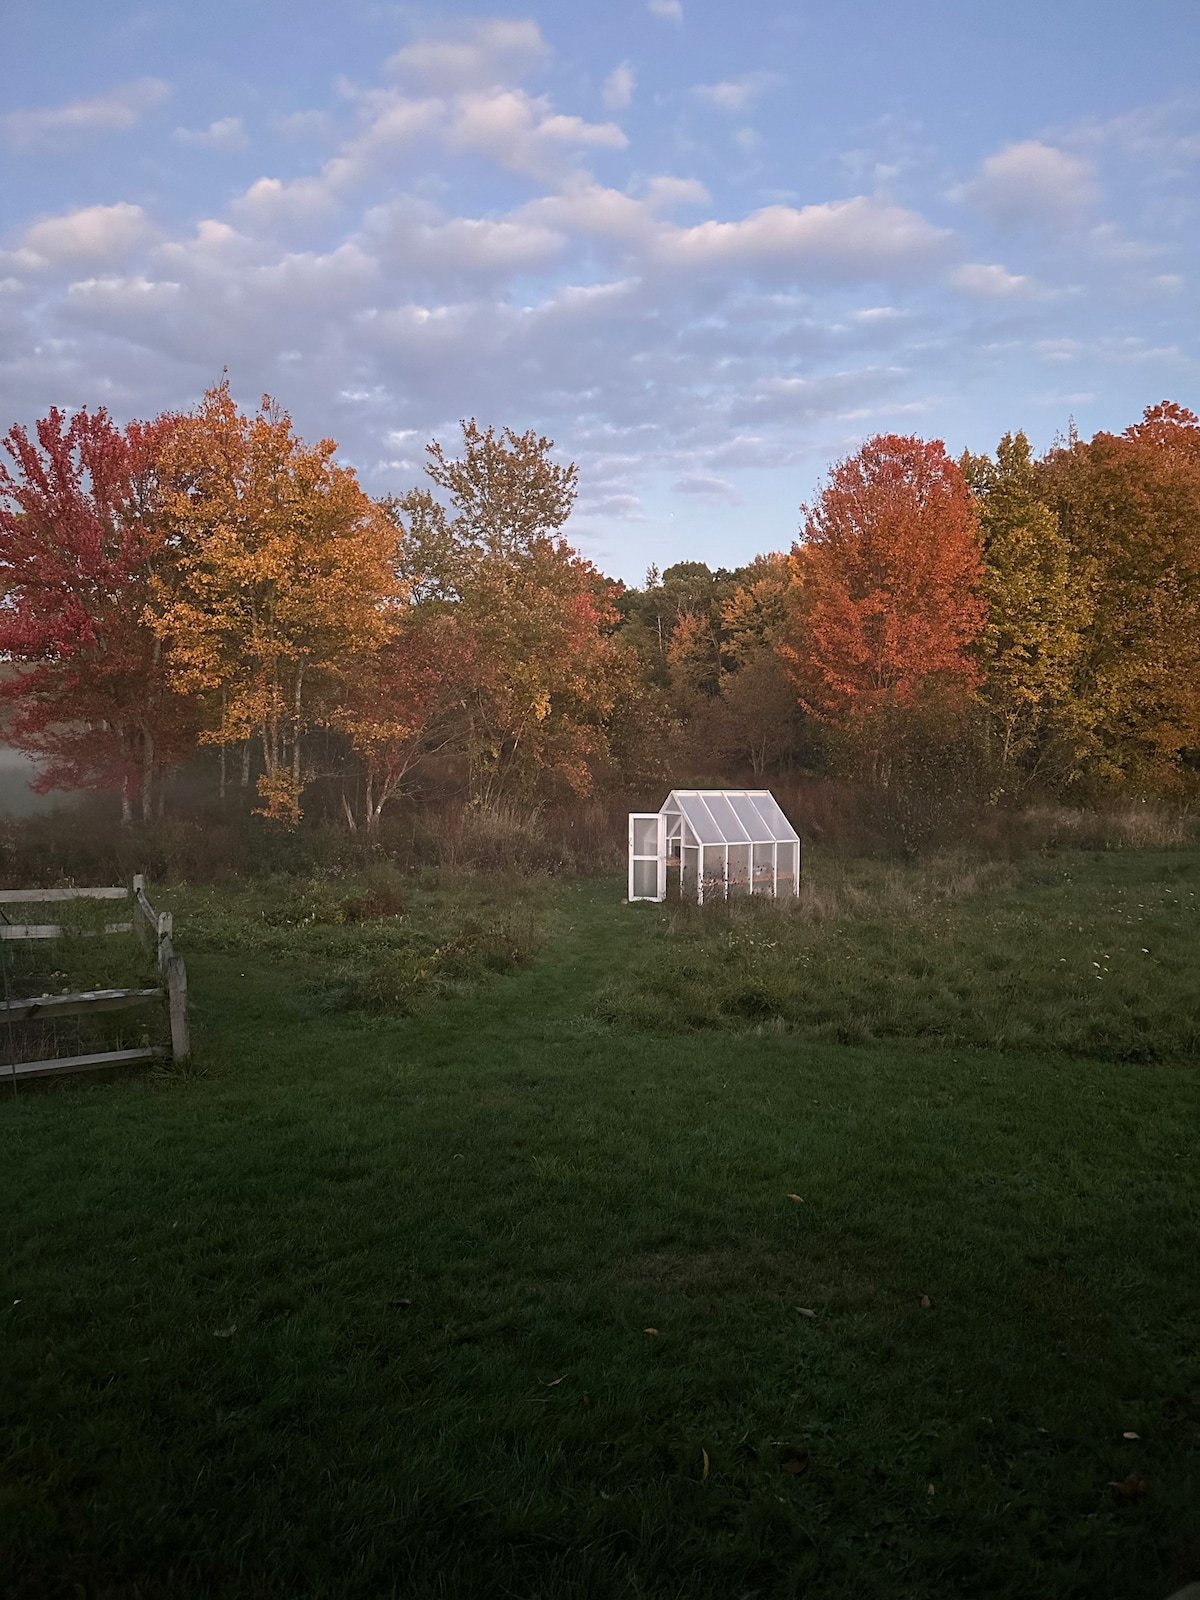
285 573
1038 608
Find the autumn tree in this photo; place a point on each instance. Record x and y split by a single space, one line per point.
284 576
82 543
675 625
407 701
884 600
1129 510
755 615
542 674
1038 607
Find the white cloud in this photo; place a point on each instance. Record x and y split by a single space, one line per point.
522 133
1059 349
1111 244
664 193
269 203
225 134
418 240
591 208
842 239
482 56
708 489
126 297
734 94
1032 182
114 112
671 9
94 234
618 89
990 281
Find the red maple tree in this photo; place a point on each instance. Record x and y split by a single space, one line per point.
79 541
884 601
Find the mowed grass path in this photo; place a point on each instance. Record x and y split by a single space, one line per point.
365 1309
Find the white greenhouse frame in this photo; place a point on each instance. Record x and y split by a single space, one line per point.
723 842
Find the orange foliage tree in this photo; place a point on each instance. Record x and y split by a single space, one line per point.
884 603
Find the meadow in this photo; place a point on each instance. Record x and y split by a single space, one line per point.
506 1240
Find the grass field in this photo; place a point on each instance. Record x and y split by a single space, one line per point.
509 1241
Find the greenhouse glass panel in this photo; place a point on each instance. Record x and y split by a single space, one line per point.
714 870
768 809
751 819
725 818
689 873
700 819
645 879
739 868
785 872
764 869
645 836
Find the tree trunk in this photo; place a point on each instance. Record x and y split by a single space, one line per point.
296 728
245 783
147 775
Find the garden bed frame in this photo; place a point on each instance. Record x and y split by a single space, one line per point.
147 922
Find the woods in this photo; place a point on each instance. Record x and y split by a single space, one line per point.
205 592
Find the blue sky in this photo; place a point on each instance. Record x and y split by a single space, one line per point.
707 247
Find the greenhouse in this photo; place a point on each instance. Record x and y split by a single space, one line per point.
710 844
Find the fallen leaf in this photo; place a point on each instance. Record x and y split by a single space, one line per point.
1130 1488
931 1490
798 1198
225 1333
1131 1436
704 1474
653 1331
551 1383
400 1305
805 1312
926 1303
796 1460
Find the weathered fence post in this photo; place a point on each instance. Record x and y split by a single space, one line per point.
177 997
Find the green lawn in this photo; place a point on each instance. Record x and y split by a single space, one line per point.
590 1276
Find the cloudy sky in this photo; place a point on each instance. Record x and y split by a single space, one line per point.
707 246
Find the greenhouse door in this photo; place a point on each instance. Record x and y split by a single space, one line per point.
647 856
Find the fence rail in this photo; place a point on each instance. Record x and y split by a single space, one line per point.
36 897
47 1008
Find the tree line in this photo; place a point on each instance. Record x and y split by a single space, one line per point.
206 589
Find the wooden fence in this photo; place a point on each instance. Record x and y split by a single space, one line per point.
150 924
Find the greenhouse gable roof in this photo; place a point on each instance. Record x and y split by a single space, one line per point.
731 816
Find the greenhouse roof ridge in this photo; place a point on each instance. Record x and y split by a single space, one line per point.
731 816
